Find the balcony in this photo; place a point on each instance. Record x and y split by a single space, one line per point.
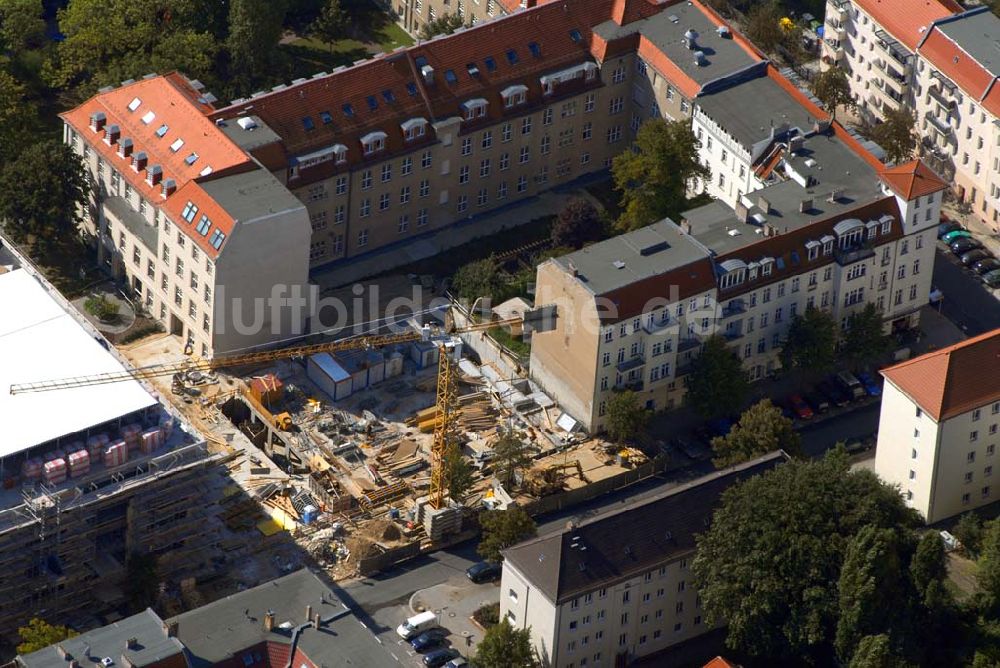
943 128
656 326
849 256
833 50
937 93
890 47
632 363
893 78
687 344
734 307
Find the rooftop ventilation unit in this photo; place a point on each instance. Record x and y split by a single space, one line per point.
653 248
97 121
618 264
691 38
427 72
699 59
247 123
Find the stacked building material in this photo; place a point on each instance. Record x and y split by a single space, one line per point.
150 440
54 471
131 434
31 469
116 454
79 463
96 445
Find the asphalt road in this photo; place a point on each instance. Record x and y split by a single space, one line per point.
967 301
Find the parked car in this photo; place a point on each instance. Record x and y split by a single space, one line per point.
986 265
870 384
850 384
963 246
955 235
428 640
947 226
692 450
800 407
417 624
974 256
484 571
819 403
832 392
439 657
992 279
457 662
856 446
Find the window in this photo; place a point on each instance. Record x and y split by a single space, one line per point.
365 209
526 125
341 187
421 217
339 214
467 146
484 168
406 166
363 238
404 194
386 172
463 174
190 209
587 131
487 139
614 134
618 75
504 161
217 239
383 202
425 188
425 160
463 203
525 155
482 197
546 145
522 183
547 116
366 179
502 190
616 105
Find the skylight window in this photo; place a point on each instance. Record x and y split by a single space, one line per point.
388 96
348 110
575 35
203 225
134 104
191 159
162 130
176 146
307 123
512 56
491 65
536 50
189 212
372 102
325 117
206 171
217 239
148 117
473 69
411 88
420 61
449 76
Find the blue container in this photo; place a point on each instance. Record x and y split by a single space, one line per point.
309 514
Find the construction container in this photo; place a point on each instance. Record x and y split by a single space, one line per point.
309 514
31 469
150 440
266 389
354 362
394 365
79 463
116 454
424 353
376 366
329 376
54 471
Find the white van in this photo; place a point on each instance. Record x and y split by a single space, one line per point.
417 624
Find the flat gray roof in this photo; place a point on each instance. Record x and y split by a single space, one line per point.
148 233
978 33
152 644
723 56
633 256
251 195
248 140
750 110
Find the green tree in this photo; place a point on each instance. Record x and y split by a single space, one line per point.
989 566
763 26
142 581
626 417
255 28
42 192
770 561
876 652
811 342
480 278
511 456
833 89
503 646
865 340
501 529
929 564
653 178
873 590
39 634
969 532
21 24
761 429
577 224
330 25
443 25
896 134
458 473
14 112
717 384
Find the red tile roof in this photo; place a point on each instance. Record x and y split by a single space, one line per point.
967 73
907 20
953 380
912 180
686 281
180 113
719 662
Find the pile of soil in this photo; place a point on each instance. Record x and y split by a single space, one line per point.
361 547
382 531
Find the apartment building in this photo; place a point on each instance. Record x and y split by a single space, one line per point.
937 61
413 15
937 438
617 586
823 224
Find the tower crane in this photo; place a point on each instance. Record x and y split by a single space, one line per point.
446 380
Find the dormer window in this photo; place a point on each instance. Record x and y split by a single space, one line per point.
112 134
766 266
415 128
752 269
586 71
139 161
827 242
125 148
475 108
97 121
812 249
886 224
373 142
514 95
154 174
733 273
340 153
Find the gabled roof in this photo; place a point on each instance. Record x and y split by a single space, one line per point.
907 20
719 662
912 180
964 49
953 380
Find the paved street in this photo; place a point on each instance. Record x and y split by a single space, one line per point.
967 302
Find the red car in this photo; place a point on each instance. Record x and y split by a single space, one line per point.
800 407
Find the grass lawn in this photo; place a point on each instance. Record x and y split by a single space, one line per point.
516 345
309 55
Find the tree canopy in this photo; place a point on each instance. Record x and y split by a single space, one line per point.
458 474
480 278
577 224
896 134
865 340
501 529
331 24
39 634
255 28
811 341
717 384
833 89
761 429
443 25
626 417
21 24
503 646
654 177
511 456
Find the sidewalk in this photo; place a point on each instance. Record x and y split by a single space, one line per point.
972 222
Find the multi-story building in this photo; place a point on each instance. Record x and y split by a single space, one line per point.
78 499
821 224
413 15
937 437
938 62
617 586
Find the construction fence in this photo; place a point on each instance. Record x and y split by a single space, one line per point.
570 498
379 562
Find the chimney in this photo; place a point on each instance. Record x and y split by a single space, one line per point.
111 134
269 621
125 148
795 143
834 196
428 74
154 174
97 121
63 653
170 628
685 226
806 205
169 187
770 230
316 620
742 211
132 643
763 205
139 161
309 608
572 269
